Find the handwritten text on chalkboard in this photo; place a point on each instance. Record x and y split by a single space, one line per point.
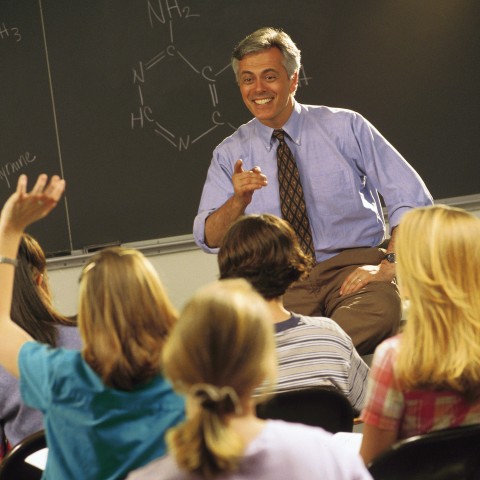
10 168
10 32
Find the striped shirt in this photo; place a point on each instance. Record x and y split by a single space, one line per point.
410 413
315 351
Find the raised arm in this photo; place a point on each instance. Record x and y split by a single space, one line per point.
20 210
245 182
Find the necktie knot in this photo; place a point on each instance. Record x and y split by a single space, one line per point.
279 134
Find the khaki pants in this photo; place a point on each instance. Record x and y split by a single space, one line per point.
368 316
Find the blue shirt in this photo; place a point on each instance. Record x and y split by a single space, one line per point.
93 431
343 163
17 421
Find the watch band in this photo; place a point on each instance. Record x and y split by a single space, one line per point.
391 257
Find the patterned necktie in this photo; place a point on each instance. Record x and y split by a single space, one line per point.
292 202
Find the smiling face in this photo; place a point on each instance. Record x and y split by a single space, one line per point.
266 88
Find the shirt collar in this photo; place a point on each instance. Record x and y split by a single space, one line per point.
291 322
292 128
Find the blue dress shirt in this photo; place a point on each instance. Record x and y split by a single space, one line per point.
344 163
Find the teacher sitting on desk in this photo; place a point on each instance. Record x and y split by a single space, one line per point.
322 169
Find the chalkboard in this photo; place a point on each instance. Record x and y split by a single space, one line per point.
127 99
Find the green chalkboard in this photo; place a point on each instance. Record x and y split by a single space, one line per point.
127 99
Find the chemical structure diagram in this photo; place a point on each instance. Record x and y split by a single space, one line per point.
164 12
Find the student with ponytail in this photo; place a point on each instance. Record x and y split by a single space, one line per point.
219 352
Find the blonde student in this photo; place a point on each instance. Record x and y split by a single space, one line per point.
106 408
428 377
221 350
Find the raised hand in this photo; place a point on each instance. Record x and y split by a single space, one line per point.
24 208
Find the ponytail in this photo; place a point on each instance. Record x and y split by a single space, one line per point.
204 444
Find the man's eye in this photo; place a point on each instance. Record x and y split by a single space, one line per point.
247 80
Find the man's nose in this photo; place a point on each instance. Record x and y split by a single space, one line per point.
259 85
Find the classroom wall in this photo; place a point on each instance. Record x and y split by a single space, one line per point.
182 272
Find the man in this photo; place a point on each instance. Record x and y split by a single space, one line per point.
312 351
343 164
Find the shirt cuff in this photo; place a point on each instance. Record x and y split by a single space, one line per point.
199 231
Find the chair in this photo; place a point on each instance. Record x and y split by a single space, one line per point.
450 454
324 407
13 466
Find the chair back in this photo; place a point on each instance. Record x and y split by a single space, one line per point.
450 454
14 467
324 407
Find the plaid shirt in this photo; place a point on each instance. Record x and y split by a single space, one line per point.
410 412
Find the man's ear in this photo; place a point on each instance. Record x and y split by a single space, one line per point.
294 83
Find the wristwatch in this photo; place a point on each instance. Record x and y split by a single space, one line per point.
391 257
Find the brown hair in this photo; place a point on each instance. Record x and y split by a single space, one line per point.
124 317
32 307
264 250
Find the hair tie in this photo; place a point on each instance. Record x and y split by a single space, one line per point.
216 399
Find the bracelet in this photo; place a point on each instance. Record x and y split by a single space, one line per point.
9 261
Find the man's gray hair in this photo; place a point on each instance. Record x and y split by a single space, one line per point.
263 39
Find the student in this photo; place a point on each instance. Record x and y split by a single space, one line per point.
220 351
312 351
106 410
343 164
33 310
428 378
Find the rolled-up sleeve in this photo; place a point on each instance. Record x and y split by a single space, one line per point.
217 190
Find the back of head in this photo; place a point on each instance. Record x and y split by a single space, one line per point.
32 307
221 349
264 250
124 317
438 268
265 38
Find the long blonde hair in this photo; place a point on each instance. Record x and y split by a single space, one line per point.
124 317
438 251
221 349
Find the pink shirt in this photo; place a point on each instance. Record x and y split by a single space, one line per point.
410 412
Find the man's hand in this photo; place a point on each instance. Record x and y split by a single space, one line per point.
244 185
245 182
362 276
